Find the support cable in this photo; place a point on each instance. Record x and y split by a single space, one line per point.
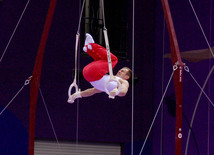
109 58
196 106
202 30
209 88
175 67
74 83
178 76
34 90
49 117
25 84
14 31
77 66
205 83
133 56
186 68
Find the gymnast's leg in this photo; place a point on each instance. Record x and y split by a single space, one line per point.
99 67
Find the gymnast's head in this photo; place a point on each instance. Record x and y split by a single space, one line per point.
124 73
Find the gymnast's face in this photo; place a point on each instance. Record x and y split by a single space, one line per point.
122 73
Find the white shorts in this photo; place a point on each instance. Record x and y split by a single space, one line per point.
100 84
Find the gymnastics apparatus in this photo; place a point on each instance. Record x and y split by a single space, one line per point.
177 73
97 65
38 65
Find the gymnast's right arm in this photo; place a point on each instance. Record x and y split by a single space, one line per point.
85 93
90 92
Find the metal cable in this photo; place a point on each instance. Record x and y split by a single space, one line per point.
51 122
157 111
26 83
205 83
133 56
11 37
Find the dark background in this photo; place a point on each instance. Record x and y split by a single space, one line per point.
99 118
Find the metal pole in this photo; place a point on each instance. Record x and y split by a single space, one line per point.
178 76
34 87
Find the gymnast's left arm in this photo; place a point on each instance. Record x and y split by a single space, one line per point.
124 88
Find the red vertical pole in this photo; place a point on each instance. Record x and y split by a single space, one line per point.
178 76
34 86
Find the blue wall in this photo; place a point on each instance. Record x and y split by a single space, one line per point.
13 135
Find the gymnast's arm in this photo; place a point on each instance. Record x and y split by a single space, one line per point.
93 91
124 88
85 93
89 92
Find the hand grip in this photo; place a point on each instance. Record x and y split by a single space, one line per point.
70 88
119 87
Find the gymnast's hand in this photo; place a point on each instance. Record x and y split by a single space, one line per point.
113 93
74 96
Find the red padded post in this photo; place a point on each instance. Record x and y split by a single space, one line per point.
178 76
34 85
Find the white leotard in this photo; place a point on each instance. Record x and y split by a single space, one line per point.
100 84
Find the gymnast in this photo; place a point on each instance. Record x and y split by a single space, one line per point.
96 73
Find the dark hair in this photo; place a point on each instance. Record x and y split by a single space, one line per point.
129 73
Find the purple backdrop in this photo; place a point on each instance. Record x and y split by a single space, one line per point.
189 37
100 119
